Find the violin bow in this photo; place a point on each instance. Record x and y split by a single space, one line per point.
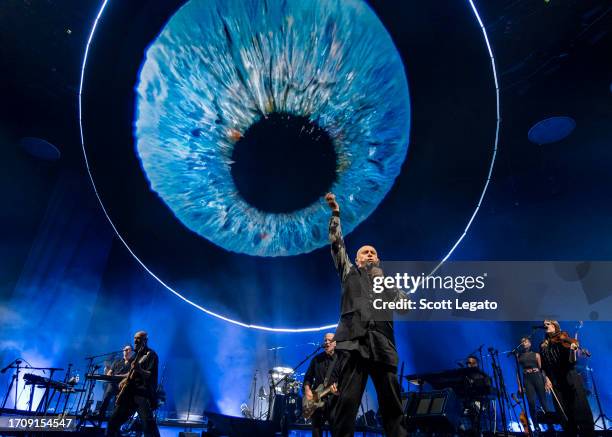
552 390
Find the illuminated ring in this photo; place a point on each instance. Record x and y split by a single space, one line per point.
266 328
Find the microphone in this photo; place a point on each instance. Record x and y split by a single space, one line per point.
539 327
460 363
17 361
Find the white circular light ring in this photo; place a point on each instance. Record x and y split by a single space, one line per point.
259 327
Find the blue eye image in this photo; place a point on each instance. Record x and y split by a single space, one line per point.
248 111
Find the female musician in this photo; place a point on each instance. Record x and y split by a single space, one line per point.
558 353
533 380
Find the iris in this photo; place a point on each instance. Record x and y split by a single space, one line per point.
249 111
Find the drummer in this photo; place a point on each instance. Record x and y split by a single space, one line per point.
326 365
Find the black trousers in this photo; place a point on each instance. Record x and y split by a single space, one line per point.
110 392
126 409
570 390
352 385
319 418
534 389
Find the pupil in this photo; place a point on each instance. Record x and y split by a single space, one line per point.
283 163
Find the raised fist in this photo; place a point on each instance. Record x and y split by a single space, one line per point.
331 202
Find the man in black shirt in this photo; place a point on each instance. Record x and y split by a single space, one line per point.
317 371
140 393
472 362
119 367
366 335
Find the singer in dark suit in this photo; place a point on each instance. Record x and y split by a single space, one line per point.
366 335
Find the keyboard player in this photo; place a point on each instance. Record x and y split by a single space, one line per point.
119 367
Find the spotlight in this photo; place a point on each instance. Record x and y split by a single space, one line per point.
551 130
39 148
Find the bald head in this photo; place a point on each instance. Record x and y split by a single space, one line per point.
365 255
329 344
140 339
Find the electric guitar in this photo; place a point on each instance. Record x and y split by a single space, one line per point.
310 406
125 386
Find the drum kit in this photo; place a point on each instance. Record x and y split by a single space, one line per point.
283 381
284 396
281 397
282 402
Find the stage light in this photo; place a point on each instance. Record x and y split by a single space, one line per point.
41 149
551 130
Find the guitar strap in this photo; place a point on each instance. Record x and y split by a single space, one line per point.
330 369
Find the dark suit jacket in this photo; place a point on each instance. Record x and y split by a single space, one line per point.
357 313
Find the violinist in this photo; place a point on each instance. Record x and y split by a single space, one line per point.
533 380
558 356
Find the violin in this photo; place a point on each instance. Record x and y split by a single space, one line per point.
564 339
523 415
524 422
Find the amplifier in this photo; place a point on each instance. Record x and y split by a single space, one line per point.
433 411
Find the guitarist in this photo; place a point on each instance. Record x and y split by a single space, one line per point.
326 362
137 390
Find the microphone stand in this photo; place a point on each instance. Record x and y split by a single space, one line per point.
515 353
66 393
602 416
93 357
480 353
15 364
254 392
501 389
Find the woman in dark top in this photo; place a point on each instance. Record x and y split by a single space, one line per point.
533 380
559 361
